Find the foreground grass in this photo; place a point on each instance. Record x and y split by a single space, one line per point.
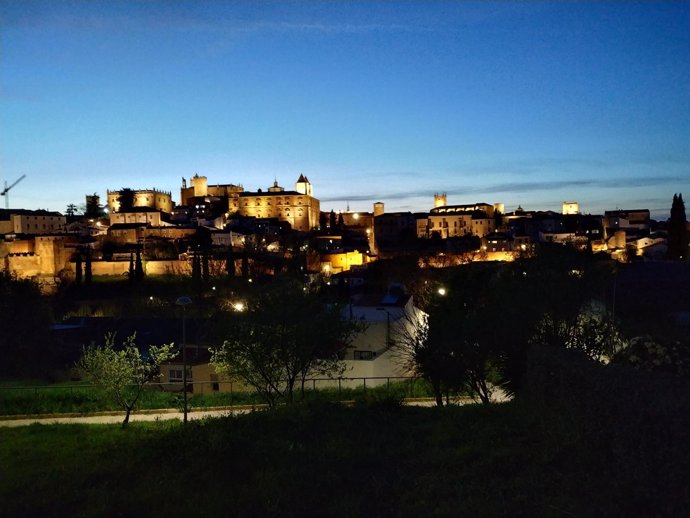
24 398
312 460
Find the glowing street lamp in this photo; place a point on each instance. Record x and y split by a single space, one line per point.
441 291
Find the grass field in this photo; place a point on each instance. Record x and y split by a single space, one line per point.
316 460
29 398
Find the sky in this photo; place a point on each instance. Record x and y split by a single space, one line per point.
527 104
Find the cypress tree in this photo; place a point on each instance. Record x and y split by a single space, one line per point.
138 267
245 265
78 267
196 268
230 262
87 267
205 275
131 267
677 231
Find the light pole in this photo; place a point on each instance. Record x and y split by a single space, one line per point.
184 301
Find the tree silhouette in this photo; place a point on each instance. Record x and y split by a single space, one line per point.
677 230
78 268
93 209
131 267
126 199
88 274
230 262
138 267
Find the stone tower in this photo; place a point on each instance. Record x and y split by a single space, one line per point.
378 208
303 186
571 207
200 184
440 200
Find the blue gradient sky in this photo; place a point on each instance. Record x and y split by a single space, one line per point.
521 103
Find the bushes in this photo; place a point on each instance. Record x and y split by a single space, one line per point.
635 424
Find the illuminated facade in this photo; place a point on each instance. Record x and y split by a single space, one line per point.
33 222
299 208
460 220
151 198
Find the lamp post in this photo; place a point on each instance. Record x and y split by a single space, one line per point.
183 302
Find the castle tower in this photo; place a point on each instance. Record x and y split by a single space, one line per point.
440 200
571 207
378 208
303 186
200 185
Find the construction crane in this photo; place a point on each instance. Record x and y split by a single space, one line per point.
7 188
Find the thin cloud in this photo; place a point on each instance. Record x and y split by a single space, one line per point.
512 187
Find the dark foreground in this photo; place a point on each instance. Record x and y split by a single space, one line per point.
323 460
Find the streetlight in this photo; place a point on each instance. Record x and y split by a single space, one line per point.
184 301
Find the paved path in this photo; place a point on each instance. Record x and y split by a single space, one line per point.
118 417
170 413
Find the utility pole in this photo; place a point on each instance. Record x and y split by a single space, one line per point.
7 188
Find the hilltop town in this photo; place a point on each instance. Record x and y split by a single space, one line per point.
216 218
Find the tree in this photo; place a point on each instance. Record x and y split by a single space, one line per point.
230 262
123 372
78 268
418 350
126 199
138 267
593 332
286 335
93 209
677 231
331 220
25 317
71 210
205 274
88 271
130 275
196 267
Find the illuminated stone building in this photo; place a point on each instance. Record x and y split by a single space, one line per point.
461 220
299 208
22 221
151 198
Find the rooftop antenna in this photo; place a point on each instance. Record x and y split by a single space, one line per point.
7 188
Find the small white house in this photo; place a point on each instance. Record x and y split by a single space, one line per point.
386 319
